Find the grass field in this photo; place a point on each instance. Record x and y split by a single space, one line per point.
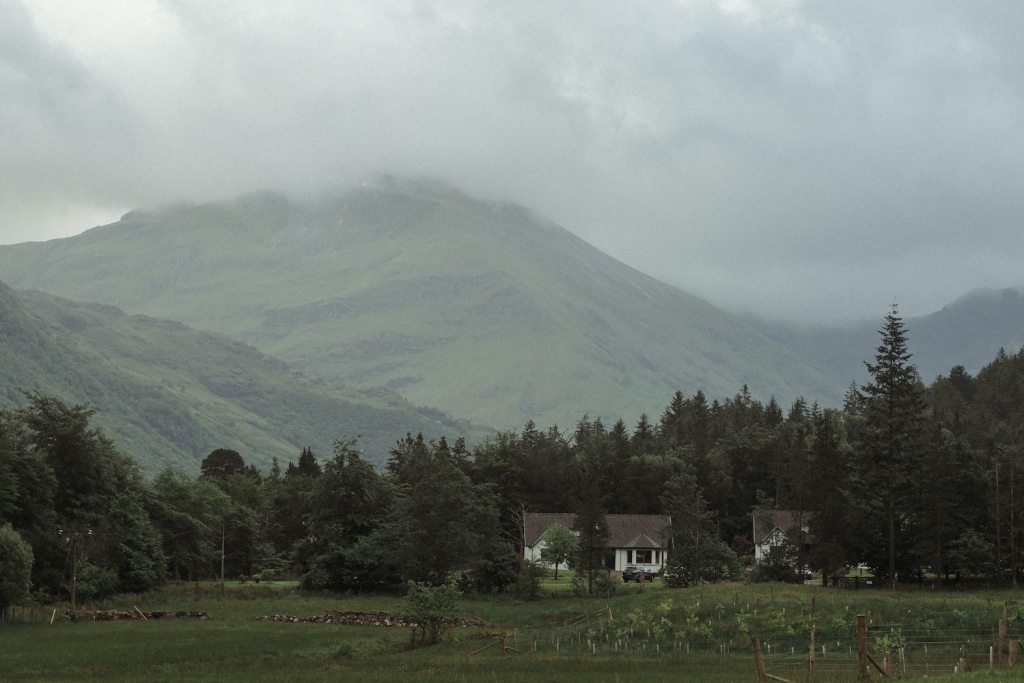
695 634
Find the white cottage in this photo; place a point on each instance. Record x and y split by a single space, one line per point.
633 540
775 527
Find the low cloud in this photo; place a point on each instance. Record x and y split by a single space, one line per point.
807 160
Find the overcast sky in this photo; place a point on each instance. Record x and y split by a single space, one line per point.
805 160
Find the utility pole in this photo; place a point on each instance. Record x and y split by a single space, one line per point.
71 538
222 558
74 575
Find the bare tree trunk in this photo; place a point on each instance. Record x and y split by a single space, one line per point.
222 536
892 530
999 524
1013 525
696 544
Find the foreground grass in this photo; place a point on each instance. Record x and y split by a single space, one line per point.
232 645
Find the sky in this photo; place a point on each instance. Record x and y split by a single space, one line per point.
810 161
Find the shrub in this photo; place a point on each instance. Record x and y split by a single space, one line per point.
95 582
717 562
778 564
316 579
606 584
528 582
430 610
15 567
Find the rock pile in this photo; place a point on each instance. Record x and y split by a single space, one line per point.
115 615
333 616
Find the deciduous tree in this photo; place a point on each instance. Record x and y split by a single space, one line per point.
559 545
15 567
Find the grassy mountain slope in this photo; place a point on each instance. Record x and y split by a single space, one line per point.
969 332
482 309
168 395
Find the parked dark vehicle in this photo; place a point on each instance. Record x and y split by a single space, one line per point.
638 574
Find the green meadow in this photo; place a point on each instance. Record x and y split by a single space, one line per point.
660 634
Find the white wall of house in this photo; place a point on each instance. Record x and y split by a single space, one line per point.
774 538
639 557
624 557
533 552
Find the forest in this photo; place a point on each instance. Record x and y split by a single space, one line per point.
918 482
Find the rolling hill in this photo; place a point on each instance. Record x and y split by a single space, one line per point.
169 395
482 309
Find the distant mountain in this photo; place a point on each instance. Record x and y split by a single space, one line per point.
968 332
483 309
169 395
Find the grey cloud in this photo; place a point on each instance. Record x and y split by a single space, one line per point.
811 159
61 129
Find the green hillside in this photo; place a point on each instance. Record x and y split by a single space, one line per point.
482 309
168 395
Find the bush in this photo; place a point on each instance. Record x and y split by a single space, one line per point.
95 582
430 610
778 564
971 554
15 567
316 579
269 563
579 583
527 584
606 584
498 570
720 562
717 562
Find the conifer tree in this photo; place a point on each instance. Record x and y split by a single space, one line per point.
643 436
691 527
829 522
894 406
592 528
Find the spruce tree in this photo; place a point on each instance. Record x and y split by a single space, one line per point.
691 529
643 436
894 405
592 528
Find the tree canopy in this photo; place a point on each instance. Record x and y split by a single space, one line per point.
911 480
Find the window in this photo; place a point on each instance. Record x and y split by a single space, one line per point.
643 556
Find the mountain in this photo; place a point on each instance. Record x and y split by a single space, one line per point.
483 309
169 395
968 332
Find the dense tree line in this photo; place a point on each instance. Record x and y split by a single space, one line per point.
912 480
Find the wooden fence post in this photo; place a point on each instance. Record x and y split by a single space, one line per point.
762 674
862 648
810 659
1002 635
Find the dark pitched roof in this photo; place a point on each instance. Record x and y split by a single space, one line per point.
625 531
787 521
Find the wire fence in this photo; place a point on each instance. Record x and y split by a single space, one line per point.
897 649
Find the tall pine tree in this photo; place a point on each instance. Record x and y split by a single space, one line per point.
894 406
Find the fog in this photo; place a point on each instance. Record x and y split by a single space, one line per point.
805 160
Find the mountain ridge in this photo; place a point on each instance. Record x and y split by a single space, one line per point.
968 331
482 308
